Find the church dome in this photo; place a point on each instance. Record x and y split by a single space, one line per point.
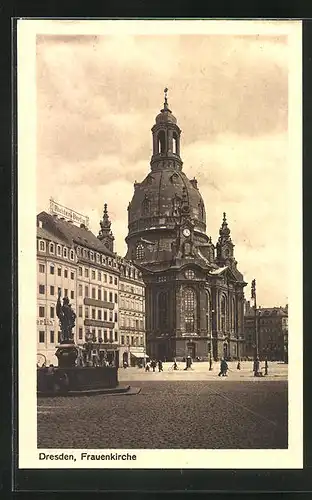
166 193
156 200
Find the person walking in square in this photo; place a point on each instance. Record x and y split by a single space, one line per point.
160 366
223 368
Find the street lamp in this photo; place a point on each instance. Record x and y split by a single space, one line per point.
254 296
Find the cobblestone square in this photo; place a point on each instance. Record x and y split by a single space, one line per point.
202 414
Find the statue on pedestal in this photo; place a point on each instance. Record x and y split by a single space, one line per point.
67 318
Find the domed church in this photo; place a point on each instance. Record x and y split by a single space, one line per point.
194 291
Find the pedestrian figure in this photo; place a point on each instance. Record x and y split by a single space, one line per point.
147 367
175 366
223 368
153 364
238 365
256 367
266 366
160 366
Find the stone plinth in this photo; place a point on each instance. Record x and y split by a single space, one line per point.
66 355
62 380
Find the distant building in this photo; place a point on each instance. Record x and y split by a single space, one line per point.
131 314
272 332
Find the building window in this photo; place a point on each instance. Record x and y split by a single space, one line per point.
86 291
59 271
223 313
163 310
93 293
51 248
80 311
72 254
65 273
41 246
111 280
115 317
51 312
80 290
80 333
41 312
99 294
92 256
110 297
111 335
87 312
110 315
122 339
72 295
51 269
132 340
146 205
139 252
51 290
105 278
86 272
93 313
99 276
59 250
59 336
128 340
41 268
98 257
189 302
116 336
105 335
65 292
105 296
116 298
41 337
65 253
41 289
115 281
59 290
80 271
105 315
99 314
72 275
93 275
51 337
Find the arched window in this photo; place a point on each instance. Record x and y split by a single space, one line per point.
161 142
175 144
59 250
139 251
223 313
72 254
233 315
51 248
42 246
146 205
189 303
163 310
209 313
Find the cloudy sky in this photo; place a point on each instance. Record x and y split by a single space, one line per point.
97 98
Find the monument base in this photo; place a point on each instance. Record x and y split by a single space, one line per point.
66 355
64 380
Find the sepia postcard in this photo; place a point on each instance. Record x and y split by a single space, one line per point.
159 244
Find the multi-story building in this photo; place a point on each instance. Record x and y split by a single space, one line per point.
131 314
194 289
91 282
56 271
272 326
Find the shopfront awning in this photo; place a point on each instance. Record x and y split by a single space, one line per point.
139 355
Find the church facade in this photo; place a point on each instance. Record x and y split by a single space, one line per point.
194 291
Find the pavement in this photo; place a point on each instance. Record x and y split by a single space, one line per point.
200 371
177 414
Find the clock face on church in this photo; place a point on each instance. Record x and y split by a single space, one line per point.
186 232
